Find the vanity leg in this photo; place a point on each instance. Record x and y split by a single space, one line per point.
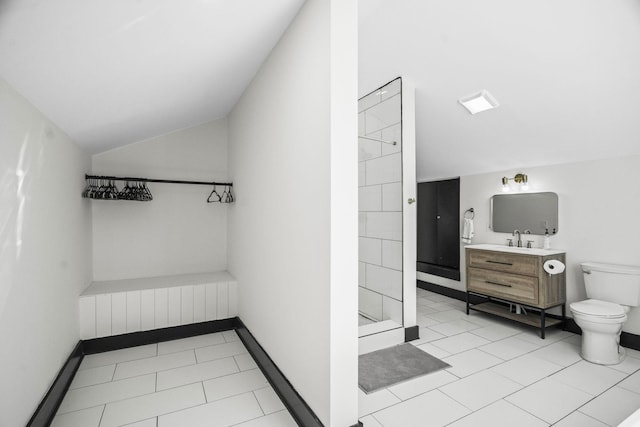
542 314
564 317
467 303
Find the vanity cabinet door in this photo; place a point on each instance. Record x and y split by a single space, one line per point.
510 287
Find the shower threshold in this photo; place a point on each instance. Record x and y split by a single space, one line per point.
377 327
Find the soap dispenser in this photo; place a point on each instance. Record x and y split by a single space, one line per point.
547 239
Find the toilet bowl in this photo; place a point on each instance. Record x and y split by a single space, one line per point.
601 323
612 290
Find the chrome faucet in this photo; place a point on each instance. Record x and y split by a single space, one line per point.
519 241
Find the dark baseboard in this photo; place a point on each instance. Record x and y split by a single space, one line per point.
571 326
134 339
297 407
448 292
411 333
43 416
438 270
626 339
630 340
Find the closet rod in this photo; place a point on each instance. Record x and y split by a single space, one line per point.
166 181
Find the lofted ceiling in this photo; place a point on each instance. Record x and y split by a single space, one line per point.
565 72
112 72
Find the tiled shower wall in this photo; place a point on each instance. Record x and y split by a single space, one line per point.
380 204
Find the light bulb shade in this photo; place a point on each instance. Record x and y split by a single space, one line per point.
520 178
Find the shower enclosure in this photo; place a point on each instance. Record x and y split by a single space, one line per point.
386 210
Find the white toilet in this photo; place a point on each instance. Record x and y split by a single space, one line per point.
612 290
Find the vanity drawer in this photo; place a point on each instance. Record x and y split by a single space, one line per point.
503 261
511 287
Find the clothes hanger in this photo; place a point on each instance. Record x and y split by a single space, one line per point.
216 197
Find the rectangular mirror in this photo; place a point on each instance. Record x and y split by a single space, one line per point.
525 211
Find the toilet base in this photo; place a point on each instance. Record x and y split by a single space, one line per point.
603 349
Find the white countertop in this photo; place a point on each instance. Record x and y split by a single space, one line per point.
516 250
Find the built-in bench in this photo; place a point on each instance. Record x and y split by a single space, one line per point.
117 307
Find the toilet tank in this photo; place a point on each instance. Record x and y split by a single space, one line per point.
612 282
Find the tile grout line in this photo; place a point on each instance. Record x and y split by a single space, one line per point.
237 364
258 400
198 405
107 402
574 411
208 379
114 363
508 403
238 394
80 409
138 396
104 407
600 394
504 361
204 392
148 394
159 370
381 100
541 379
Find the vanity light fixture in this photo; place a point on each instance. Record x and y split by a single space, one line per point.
478 102
520 178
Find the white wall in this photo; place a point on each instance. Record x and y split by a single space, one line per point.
293 228
598 202
176 233
45 253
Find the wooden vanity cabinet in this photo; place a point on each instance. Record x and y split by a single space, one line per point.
515 278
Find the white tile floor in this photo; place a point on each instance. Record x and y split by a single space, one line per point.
209 380
501 375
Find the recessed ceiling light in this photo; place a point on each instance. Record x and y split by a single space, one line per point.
381 92
478 102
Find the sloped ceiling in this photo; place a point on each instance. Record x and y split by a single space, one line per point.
566 74
111 72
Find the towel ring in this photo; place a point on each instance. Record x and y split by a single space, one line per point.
469 211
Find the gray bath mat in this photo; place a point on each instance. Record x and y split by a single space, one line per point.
389 366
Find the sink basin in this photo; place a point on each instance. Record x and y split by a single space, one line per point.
513 249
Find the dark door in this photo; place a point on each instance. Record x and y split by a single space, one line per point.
439 228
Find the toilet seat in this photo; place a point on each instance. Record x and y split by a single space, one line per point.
597 308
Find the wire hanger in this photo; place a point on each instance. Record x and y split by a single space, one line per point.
214 197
